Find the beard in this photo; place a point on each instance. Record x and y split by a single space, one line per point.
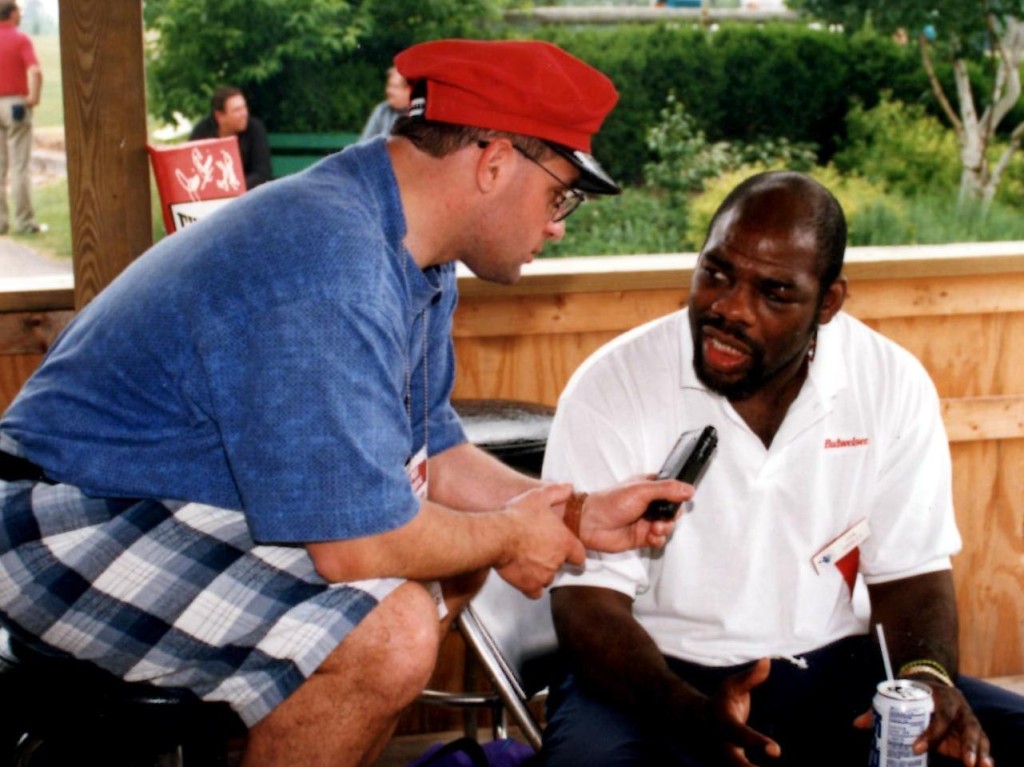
751 380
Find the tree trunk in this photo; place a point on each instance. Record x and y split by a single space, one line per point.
978 180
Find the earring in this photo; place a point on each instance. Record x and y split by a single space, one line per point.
813 347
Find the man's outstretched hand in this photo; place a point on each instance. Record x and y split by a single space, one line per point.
728 711
612 520
954 730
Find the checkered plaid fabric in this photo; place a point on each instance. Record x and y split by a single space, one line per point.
173 594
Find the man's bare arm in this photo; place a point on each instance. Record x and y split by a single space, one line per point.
919 617
465 477
481 513
613 657
526 541
35 86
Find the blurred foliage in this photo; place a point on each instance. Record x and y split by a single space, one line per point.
741 83
959 27
318 65
699 107
637 221
304 65
895 177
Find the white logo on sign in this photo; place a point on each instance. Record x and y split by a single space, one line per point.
224 177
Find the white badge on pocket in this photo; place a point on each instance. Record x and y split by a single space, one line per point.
836 549
416 471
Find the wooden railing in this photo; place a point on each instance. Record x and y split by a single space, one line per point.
959 308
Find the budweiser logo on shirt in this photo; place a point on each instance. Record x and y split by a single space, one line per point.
852 442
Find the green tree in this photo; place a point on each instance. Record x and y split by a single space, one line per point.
305 64
986 33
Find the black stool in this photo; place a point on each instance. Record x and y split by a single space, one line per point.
61 711
513 431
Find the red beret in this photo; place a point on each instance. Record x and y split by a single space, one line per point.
528 87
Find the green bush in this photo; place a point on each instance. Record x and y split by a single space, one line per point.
882 222
879 64
645 63
318 65
741 84
685 159
637 221
786 81
1011 187
900 147
683 156
863 203
935 219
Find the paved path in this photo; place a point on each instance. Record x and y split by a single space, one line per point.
19 260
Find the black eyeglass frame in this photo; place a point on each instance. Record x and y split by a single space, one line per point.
572 198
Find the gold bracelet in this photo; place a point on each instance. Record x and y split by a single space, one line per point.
574 512
925 666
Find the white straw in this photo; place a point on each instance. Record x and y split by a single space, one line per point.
885 651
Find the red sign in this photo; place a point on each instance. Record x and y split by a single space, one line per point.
195 178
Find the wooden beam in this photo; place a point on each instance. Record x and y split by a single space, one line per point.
892 263
936 296
101 47
37 293
30 332
981 419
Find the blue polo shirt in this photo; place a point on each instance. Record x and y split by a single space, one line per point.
278 357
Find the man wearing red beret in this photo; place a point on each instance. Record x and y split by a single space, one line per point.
238 471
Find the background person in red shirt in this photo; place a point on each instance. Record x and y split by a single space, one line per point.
21 82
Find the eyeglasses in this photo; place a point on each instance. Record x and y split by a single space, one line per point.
569 199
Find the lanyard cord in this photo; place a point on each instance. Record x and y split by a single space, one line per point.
423 317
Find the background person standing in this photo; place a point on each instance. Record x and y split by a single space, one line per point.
21 83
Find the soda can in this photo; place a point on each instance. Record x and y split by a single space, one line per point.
902 711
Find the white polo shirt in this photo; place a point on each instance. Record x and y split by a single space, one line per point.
862 441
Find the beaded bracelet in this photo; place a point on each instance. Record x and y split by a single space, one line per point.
929 667
574 512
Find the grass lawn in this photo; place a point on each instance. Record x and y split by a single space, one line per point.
50 112
51 198
52 209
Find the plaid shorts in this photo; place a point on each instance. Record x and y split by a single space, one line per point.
170 593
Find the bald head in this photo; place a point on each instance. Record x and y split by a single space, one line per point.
783 201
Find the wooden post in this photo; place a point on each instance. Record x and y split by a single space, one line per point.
101 46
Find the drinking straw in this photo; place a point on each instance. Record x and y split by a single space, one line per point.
885 651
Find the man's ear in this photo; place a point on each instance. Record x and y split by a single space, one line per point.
832 301
495 163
